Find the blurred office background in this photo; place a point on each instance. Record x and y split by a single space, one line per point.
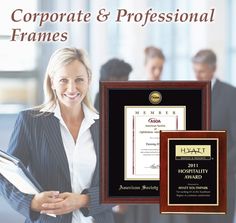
22 64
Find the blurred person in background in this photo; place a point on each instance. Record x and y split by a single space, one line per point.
113 70
223 117
154 62
59 143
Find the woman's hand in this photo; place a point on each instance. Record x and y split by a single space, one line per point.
120 209
69 203
44 197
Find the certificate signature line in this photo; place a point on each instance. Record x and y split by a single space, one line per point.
153 166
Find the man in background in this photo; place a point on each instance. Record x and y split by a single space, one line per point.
223 117
113 70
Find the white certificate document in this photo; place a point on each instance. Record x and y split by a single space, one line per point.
17 177
142 138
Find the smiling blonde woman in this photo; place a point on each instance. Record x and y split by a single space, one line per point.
58 142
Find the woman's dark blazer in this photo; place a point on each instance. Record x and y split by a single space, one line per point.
37 142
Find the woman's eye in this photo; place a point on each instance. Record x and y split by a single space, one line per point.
79 80
63 80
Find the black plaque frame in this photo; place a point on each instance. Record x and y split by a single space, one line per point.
113 97
193 172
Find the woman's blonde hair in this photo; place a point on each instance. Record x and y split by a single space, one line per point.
59 59
152 52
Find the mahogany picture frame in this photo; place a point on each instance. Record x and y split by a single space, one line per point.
114 97
193 172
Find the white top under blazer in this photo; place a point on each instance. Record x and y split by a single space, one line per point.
81 156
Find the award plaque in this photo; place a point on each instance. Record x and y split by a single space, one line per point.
193 172
132 116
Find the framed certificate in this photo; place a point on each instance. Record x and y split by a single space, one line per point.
193 172
142 127
132 115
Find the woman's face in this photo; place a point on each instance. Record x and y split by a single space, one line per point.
71 84
154 67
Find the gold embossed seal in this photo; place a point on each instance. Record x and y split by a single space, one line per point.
155 97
